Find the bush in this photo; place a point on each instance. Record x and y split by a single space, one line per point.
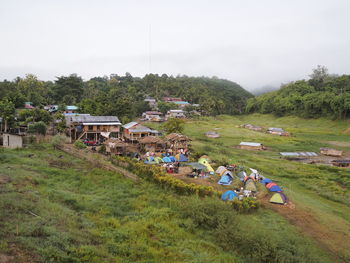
79 145
58 140
38 128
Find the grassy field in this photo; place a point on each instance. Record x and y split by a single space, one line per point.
320 193
56 208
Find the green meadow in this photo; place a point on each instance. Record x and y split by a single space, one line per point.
56 208
319 192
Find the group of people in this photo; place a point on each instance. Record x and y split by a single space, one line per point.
172 168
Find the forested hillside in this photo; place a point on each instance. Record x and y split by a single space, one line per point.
123 95
323 95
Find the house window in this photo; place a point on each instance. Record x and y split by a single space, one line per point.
91 127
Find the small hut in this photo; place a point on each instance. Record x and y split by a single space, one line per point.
152 144
251 146
12 140
176 141
277 131
331 152
119 147
341 163
212 134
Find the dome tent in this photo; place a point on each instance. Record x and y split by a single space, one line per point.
278 198
228 195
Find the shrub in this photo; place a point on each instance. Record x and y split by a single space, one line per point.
38 128
58 140
79 145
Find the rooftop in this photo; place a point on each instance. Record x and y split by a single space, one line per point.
130 124
85 118
254 144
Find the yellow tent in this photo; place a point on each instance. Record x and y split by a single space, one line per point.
205 162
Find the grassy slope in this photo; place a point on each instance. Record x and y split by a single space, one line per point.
59 209
322 190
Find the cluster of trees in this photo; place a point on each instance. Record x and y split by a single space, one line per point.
323 95
123 96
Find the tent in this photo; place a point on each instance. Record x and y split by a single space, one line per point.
205 162
242 175
150 160
158 159
266 181
275 188
172 158
269 185
250 185
226 179
228 195
197 166
180 157
220 169
278 198
166 160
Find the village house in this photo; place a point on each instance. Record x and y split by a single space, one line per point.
252 127
71 109
118 147
97 128
251 146
176 114
12 140
152 144
155 116
331 152
171 99
181 104
341 163
28 105
177 142
277 131
151 102
133 131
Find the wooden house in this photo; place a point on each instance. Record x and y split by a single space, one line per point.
341 163
176 114
176 142
155 116
97 128
251 146
331 152
277 131
152 144
118 147
133 131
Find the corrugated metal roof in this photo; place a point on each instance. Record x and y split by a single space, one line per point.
255 144
297 154
276 129
129 125
71 107
144 129
92 119
101 123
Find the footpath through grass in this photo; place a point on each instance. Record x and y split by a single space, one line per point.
56 208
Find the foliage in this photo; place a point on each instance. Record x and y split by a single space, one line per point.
164 107
58 140
173 125
7 110
323 95
38 128
79 144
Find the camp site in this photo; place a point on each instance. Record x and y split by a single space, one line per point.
175 131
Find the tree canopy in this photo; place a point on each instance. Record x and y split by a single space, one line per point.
323 95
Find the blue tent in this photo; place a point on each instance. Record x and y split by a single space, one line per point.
228 195
266 181
172 158
275 188
182 158
166 160
150 160
225 180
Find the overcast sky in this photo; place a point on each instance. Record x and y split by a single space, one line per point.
254 42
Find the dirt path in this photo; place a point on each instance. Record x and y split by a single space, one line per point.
97 160
328 239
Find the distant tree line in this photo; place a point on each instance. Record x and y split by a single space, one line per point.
323 95
123 96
